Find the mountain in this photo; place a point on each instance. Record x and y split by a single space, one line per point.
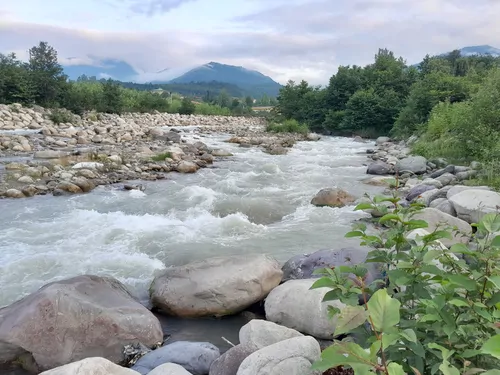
108 68
480 50
251 81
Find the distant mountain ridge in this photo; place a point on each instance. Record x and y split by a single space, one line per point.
249 80
480 50
245 81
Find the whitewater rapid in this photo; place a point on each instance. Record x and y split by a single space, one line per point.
251 202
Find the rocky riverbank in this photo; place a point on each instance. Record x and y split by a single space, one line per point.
98 317
39 156
437 184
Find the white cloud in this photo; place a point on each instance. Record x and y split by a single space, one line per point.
293 39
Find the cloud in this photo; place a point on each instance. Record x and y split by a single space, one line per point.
296 39
152 7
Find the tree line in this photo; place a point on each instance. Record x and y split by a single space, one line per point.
41 80
388 97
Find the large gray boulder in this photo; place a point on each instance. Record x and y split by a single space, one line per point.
438 219
73 319
216 286
454 190
257 334
302 266
229 362
472 205
294 305
418 190
443 205
91 366
379 168
413 164
195 357
291 357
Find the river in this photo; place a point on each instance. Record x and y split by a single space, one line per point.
251 202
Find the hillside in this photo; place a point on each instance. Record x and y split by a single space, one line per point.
251 81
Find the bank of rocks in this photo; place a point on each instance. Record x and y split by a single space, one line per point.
38 156
435 183
98 317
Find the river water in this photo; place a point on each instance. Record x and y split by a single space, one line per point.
251 202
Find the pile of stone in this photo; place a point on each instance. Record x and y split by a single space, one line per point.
98 326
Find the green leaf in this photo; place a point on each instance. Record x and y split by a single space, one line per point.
431 255
496 241
383 310
389 339
363 206
463 281
350 317
460 248
490 222
437 235
458 302
448 369
491 372
416 224
389 217
395 369
324 282
355 233
492 346
409 334
332 311
446 353
495 280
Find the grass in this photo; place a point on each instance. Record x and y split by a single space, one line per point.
162 156
288 126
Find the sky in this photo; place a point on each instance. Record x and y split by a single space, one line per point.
285 39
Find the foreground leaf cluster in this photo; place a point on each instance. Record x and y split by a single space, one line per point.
431 310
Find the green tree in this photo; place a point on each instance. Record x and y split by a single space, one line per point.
249 101
15 86
223 99
112 101
46 75
187 107
342 86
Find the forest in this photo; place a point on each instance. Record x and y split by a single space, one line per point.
451 103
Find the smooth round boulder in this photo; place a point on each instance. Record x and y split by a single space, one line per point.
195 357
295 305
292 357
73 319
186 167
413 164
471 205
332 197
438 220
229 362
91 366
379 168
258 333
215 286
169 369
303 266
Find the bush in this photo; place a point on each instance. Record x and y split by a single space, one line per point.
288 126
60 116
211 109
162 156
187 107
435 311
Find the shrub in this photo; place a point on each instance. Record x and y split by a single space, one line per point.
187 107
436 310
59 116
288 126
162 156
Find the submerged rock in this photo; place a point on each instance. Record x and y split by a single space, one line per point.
332 197
215 286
